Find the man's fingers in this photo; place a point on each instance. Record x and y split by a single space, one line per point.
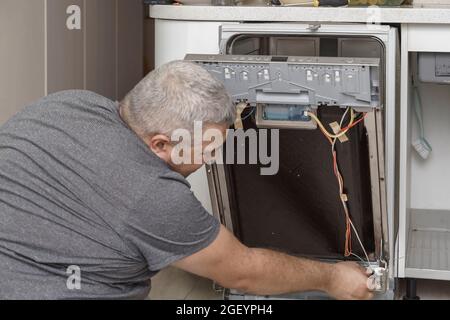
369 271
355 265
371 283
363 269
360 267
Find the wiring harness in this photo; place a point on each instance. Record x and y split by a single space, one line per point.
332 137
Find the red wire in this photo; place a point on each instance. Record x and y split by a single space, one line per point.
354 123
348 231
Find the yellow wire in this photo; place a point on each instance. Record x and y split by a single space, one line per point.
325 131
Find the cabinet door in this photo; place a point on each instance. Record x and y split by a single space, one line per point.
22 54
130 46
101 47
104 55
65 45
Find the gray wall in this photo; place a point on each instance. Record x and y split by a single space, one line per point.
39 55
106 56
22 54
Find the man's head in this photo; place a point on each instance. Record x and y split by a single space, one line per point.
176 96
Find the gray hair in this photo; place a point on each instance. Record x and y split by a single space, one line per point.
174 96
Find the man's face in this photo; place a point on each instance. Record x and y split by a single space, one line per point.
186 152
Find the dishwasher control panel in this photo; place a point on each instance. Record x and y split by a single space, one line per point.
296 81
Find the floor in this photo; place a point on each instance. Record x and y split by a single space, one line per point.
175 284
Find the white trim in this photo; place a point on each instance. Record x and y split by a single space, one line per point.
407 14
403 154
427 274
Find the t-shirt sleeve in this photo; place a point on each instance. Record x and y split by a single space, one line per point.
170 224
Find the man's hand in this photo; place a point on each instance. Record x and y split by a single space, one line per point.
348 281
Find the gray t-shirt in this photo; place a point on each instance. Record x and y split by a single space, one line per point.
82 195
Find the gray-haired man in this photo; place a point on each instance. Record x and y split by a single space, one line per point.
92 204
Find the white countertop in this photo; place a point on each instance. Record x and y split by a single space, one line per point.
408 14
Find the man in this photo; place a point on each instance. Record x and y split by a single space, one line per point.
92 204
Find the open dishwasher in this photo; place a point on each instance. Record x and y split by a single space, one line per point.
332 197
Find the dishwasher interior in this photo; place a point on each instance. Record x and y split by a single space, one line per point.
300 209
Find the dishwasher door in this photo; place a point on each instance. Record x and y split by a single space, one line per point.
303 216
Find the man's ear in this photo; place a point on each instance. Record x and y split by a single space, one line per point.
160 145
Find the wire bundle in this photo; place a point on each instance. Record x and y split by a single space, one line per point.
343 197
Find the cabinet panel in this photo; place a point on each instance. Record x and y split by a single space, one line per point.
428 37
149 45
101 47
130 45
65 47
22 59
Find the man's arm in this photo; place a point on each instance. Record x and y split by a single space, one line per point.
267 272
